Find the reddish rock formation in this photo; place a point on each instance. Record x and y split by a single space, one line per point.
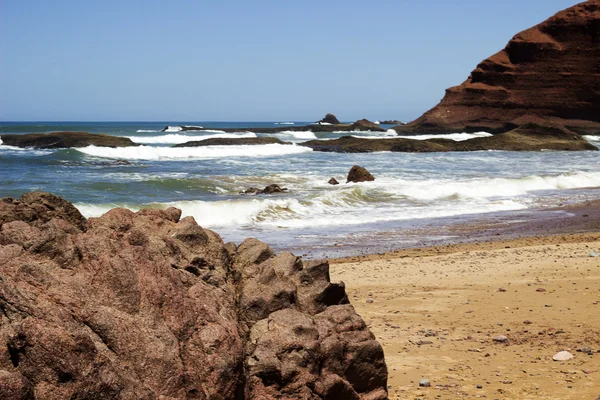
147 305
551 70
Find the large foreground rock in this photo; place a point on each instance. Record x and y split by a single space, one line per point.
62 140
147 305
549 71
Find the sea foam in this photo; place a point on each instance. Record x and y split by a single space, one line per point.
175 138
182 153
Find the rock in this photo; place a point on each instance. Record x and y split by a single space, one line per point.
359 174
365 125
61 140
586 350
148 305
232 142
182 128
329 119
562 356
540 289
391 122
273 188
479 386
548 71
594 253
500 339
502 290
333 181
533 136
424 383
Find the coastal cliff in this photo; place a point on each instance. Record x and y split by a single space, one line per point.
151 305
550 71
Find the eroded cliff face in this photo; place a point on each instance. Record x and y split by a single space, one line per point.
147 305
549 71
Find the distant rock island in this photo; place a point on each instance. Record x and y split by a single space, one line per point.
550 71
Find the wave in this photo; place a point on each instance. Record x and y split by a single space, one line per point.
179 128
488 188
284 123
305 135
175 138
458 137
146 130
592 138
182 153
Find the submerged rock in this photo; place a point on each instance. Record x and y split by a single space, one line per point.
62 140
149 305
359 174
333 181
549 71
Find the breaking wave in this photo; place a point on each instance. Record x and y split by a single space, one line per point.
182 153
175 138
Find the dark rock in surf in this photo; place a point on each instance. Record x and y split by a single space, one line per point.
182 128
365 125
333 181
149 305
330 119
273 188
62 140
359 174
232 142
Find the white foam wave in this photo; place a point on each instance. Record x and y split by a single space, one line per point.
146 130
592 138
173 129
175 138
284 123
458 137
182 153
489 188
305 135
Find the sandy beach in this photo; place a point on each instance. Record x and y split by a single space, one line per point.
437 311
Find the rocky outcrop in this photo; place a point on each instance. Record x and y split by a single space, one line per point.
365 125
549 71
62 140
333 181
359 174
329 119
542 135
181 128
151 305
232 142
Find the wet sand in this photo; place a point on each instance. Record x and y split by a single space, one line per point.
436 311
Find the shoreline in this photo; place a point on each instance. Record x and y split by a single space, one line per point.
437 309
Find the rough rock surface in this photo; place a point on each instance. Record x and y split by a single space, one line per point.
542 135
147 305
550 70
330 119
270 189
359 174
365 125
232 142
61 140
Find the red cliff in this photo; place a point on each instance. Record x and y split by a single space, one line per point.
550 71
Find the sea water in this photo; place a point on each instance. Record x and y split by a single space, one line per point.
412 191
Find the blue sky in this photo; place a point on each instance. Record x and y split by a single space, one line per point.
242 60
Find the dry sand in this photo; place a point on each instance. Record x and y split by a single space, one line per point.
436 312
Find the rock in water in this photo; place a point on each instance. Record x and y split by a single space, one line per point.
562 356
63 140
333 181
359 174
365 125
548 71
149 305
273 188
330 119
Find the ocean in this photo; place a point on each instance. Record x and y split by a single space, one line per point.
413 200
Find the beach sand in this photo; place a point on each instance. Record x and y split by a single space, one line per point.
437 310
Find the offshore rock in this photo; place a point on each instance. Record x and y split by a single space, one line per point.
359 174
150 305
365 125
534 136
62 140
330 119
272 188
232 142
549 71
